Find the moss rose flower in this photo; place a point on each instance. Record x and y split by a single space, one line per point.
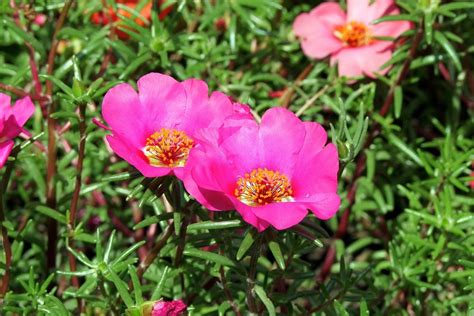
271 172
350 38
154 129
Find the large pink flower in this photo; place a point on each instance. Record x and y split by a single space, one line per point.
12 120
350 38
154 129
271 172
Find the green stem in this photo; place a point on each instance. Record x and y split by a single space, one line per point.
252 303
110 301
182 240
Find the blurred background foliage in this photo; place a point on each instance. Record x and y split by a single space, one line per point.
408 246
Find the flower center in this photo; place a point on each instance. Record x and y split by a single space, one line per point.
354 34
262 187
168 148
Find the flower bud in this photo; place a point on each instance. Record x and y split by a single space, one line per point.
173 308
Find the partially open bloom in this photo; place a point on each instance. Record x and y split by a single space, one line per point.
351 39
114 16
271 172
154 129
12 120
172 308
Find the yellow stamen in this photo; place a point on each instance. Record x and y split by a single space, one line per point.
262 187
168 148
354 34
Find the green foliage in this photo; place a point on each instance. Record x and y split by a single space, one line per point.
409 245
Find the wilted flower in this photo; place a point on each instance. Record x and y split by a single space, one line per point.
154 129
351 39
270 173
172 308
114 16
12 120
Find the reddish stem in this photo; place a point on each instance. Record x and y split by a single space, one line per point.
76 195
52 153
21 93
289 92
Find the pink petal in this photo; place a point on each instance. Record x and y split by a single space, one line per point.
241 153
195 115
163 100
221 107
23 110
320 46
208 178
242 109
328 13
135 157
315 138
124 113
5 149
203 111
282 136
281 215
5 102
212 200
247 213
323 205
316 172
365 12
210 170
11 129
364 60
316 30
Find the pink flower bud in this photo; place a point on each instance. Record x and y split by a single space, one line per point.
173 308
40 19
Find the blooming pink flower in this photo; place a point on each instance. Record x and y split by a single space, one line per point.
154 129
173 308
12 120
270 173
350 39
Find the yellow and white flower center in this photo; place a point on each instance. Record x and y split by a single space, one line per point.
354 34
262 187
168 148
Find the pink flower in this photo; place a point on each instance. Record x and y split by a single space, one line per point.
154 129
270 173
350 38
173 308
12 120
